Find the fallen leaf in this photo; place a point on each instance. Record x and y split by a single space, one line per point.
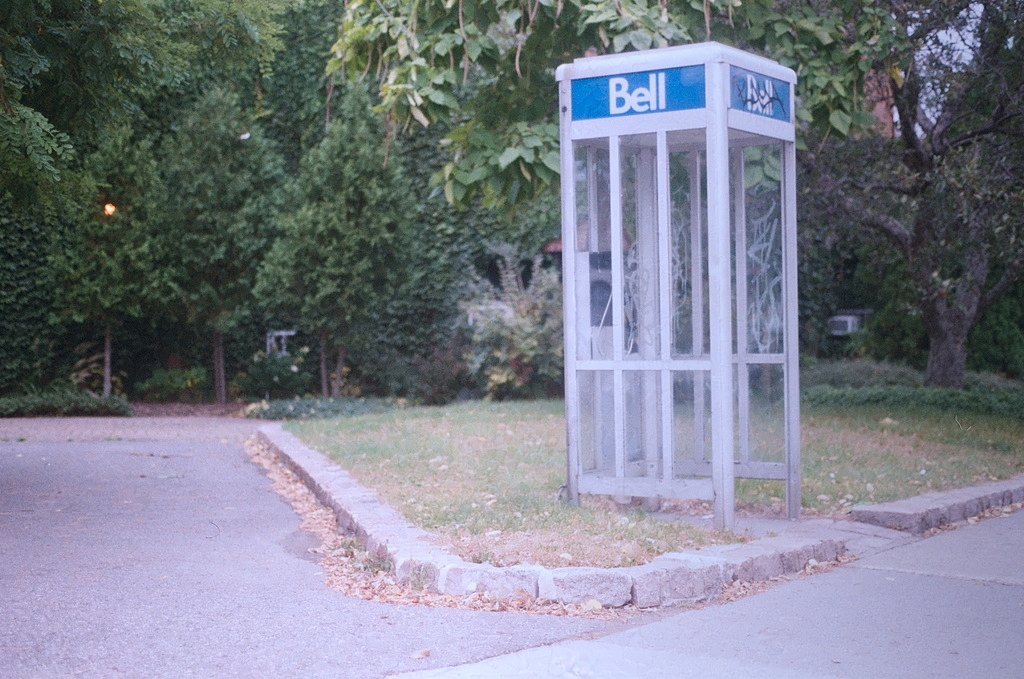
421 654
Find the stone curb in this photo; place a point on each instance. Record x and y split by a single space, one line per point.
668 579
922 513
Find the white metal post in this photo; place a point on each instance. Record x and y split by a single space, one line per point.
792 371
720 296
569 225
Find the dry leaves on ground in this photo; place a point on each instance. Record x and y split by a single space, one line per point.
740 589
990 513
355 572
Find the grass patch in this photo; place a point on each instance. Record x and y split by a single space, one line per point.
485 478
877 453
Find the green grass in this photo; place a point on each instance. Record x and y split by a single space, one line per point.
486 476
877 453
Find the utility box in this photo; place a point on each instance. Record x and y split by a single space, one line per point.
679 268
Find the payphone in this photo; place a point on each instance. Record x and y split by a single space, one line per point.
679 269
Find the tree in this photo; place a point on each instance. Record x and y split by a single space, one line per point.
223 182
486 67
337 250
68 69
106 261
299 96
27 291
948 192
953 70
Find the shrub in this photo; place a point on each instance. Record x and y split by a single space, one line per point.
515 329
174 384
63 403
1003 403
314 408
859 373
276 376
440 377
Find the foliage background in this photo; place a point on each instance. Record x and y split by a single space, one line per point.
127 124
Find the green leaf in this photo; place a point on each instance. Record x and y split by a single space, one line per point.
508 157
840 121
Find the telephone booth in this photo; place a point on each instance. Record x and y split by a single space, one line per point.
679 269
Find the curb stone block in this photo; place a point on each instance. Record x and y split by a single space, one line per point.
691 577
829 550
648 585
510 581
669 579
460 578
612 587
750 562
417 570
795 552
931 510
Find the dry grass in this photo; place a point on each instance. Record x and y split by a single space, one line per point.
351 570
484 477
873 454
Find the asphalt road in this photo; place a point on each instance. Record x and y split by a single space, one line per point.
152 547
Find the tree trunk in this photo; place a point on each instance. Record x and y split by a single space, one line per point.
339 371
220 386
108 350
948 326
324 374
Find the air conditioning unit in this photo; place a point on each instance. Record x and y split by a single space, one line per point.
843 325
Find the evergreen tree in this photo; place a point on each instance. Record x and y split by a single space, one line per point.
337 250
223 181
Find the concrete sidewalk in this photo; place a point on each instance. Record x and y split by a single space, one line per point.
947 606
951 605
152 547
147 547
780 548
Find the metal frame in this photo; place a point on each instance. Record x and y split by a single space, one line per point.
633 390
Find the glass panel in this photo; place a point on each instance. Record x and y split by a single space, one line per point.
763 199
593 249
767 435
691 422
593 211
642 404
689 275
640 245
597 421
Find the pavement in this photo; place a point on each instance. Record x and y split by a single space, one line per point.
151 548
951 606
155 549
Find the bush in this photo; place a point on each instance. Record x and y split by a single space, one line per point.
981 400
516 348
859 373
440 377
174 384
276 376
314 408
67 404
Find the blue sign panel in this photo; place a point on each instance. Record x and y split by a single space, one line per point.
759 94
671 89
